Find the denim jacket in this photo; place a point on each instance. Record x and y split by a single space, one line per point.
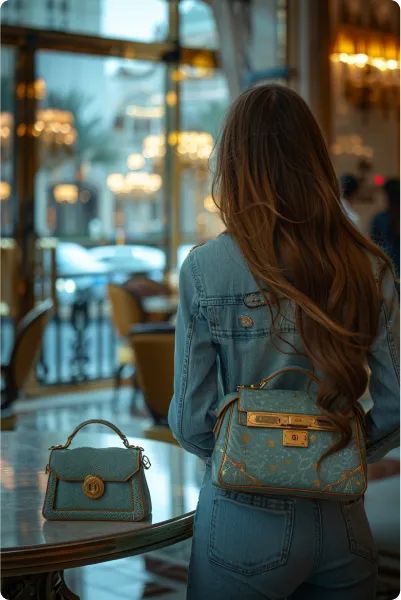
223 339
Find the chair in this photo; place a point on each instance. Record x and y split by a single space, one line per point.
126 311
25 352
153 345
143 287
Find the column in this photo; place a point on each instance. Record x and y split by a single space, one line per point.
171 177
310 42
233 21
25 165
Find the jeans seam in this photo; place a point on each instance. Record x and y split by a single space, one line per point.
318 535
355 548
212 526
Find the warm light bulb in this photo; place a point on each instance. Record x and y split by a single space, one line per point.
380 64
361 60
135 161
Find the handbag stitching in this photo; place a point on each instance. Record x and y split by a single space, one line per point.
241 466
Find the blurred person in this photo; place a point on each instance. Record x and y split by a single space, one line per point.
350 188
385 228
291 282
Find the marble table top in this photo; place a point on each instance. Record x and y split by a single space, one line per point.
29 544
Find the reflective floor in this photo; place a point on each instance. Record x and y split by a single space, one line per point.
64 412
156 575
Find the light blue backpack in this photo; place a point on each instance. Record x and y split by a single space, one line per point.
271 441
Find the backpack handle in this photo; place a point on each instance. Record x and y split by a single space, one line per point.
268 379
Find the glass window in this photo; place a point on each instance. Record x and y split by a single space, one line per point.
6 127
145 21
268 46
204 102
197 25
97 180
282 10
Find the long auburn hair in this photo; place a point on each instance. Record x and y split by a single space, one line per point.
279 197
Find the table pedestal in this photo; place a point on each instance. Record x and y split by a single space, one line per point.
44 586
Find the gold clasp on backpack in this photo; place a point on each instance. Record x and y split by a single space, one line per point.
295 438
279 420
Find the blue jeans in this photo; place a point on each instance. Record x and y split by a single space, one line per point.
253 547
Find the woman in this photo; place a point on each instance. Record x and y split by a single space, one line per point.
291 283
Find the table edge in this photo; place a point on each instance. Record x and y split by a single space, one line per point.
45 558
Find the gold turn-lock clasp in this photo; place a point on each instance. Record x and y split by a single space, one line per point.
93 487
295 438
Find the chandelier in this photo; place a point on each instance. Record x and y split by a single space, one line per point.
194 148
134 182
351 145
54 128
370 71
362 60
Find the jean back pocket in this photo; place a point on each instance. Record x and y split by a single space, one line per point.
249 533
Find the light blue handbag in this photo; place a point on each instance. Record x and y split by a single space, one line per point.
270 442
97 484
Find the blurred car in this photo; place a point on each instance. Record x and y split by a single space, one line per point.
126 261
79 274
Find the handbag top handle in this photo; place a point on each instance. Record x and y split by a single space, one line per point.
268 379
98 422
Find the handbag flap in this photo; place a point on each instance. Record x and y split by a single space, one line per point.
110 464
281 401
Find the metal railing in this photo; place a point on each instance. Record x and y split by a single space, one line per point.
79 343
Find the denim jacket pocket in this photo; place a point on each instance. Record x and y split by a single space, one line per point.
359 533
231 318
250 534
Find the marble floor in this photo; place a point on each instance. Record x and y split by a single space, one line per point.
155 575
